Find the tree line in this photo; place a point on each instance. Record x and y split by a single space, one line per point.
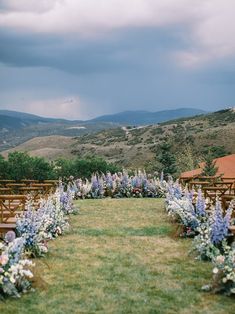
19 166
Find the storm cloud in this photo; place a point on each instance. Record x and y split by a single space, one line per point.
78 59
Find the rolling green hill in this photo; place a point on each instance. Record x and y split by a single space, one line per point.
190 139
19 127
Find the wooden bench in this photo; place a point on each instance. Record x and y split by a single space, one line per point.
54 182
212 192
33 193
5 191
15 186
198 184
48 188
10 206
29 182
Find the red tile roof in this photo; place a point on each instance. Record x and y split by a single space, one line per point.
226 168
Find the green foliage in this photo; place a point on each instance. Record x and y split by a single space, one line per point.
210 168
22 166
83 167
3 168
167 159
216 151
186 160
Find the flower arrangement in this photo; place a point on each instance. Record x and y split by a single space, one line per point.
34 228
15 270
38 226
224 272
120 185
210 231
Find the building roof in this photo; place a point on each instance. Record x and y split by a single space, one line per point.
226 168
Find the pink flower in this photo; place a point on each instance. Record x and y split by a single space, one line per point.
4 259
220 259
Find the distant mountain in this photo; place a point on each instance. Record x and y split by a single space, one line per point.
31 118
146 117
21 119
136 146
18 127
7 122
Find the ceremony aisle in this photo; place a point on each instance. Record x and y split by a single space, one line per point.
120 256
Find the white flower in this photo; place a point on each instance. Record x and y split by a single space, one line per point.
220 259
215 270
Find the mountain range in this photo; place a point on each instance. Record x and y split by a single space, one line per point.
19 127
190 138
146 117
15 120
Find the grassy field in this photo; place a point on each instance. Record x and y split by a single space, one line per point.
120 257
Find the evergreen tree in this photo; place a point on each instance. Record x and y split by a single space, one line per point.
210 168
167 159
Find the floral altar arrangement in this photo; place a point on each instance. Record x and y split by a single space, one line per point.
120 185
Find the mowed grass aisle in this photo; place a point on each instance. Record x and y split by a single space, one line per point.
121 257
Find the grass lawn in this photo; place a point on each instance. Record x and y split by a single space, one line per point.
120 257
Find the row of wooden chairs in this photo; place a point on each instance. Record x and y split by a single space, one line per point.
26 182
13 200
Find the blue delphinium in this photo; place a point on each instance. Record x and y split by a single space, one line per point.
109 181
97 189
200 205
219 228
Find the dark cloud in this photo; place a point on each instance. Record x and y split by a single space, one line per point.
131 69
135 48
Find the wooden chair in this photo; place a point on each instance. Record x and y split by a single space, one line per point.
48 188
5 191
4 182
10 206
35 193
29 182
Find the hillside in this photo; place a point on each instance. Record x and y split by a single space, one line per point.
50 147
146 117
18 127
138 146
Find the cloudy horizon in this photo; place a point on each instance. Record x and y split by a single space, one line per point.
79 59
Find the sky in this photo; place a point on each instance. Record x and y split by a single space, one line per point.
79 59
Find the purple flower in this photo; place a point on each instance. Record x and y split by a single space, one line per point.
10 236
200 204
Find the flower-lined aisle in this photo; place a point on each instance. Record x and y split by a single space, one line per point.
34 228
120 185
210 230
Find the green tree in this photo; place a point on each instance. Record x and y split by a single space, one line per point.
83 167
4 168
41 169
167 159
210 168
19 166
186 160
22 166
64 168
